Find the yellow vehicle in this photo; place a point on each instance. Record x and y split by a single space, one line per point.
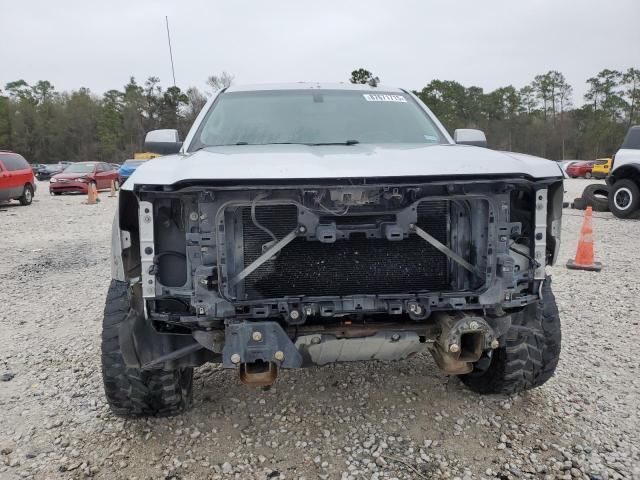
601 167
145 156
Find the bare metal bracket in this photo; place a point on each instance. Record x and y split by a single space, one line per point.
147 249
540 234
446 250
266 256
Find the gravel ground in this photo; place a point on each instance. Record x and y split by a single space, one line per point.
356 421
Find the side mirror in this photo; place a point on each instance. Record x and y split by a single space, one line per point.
470 136
164 142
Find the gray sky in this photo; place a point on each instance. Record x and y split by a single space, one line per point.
487 43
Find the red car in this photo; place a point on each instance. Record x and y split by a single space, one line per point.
16 178
580 169
78 176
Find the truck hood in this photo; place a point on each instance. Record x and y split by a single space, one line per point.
277 162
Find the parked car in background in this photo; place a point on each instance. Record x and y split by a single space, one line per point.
580 169
563 164
45 172
624 179
601 168
16 178
127 168
77 177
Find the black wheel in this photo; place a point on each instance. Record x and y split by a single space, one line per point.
529 352
130 391
597 196
27 195
624 198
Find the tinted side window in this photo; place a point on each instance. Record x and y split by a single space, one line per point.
632 140
13 162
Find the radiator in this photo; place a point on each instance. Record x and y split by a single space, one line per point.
357 266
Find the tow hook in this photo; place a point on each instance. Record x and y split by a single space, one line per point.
259 350
462 340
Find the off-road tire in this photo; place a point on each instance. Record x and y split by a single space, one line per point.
529 354
27 195
133 392
629 187
593 196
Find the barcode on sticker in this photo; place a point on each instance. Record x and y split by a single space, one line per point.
379 97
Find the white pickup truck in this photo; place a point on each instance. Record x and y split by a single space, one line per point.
624 180
307 224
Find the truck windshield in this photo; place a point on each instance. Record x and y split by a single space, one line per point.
315 117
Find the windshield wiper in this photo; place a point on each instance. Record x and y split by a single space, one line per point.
346 142
310 144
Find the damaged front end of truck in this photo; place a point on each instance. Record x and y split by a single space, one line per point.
262 276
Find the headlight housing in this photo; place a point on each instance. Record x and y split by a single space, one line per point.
53 180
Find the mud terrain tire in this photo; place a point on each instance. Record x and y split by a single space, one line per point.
529 354
133 392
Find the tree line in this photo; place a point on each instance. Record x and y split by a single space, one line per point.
48 126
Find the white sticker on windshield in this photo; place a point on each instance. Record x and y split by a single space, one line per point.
379 97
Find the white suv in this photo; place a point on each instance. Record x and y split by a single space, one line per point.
624 180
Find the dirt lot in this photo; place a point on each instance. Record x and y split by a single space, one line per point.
355 421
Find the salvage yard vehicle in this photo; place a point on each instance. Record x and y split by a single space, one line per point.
601 168
306 224
78 177
16 178
624 179
127 168
48 171
580 169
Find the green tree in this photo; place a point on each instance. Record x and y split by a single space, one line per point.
447 101
110 126
171 105
361 76
5 123
603 92
631 91
196 101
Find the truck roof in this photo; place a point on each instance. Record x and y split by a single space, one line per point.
313 85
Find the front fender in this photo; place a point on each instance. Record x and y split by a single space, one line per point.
629 170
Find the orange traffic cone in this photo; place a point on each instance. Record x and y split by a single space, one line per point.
113 189
92 195
584 254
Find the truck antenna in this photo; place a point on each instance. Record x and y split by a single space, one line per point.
173 71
